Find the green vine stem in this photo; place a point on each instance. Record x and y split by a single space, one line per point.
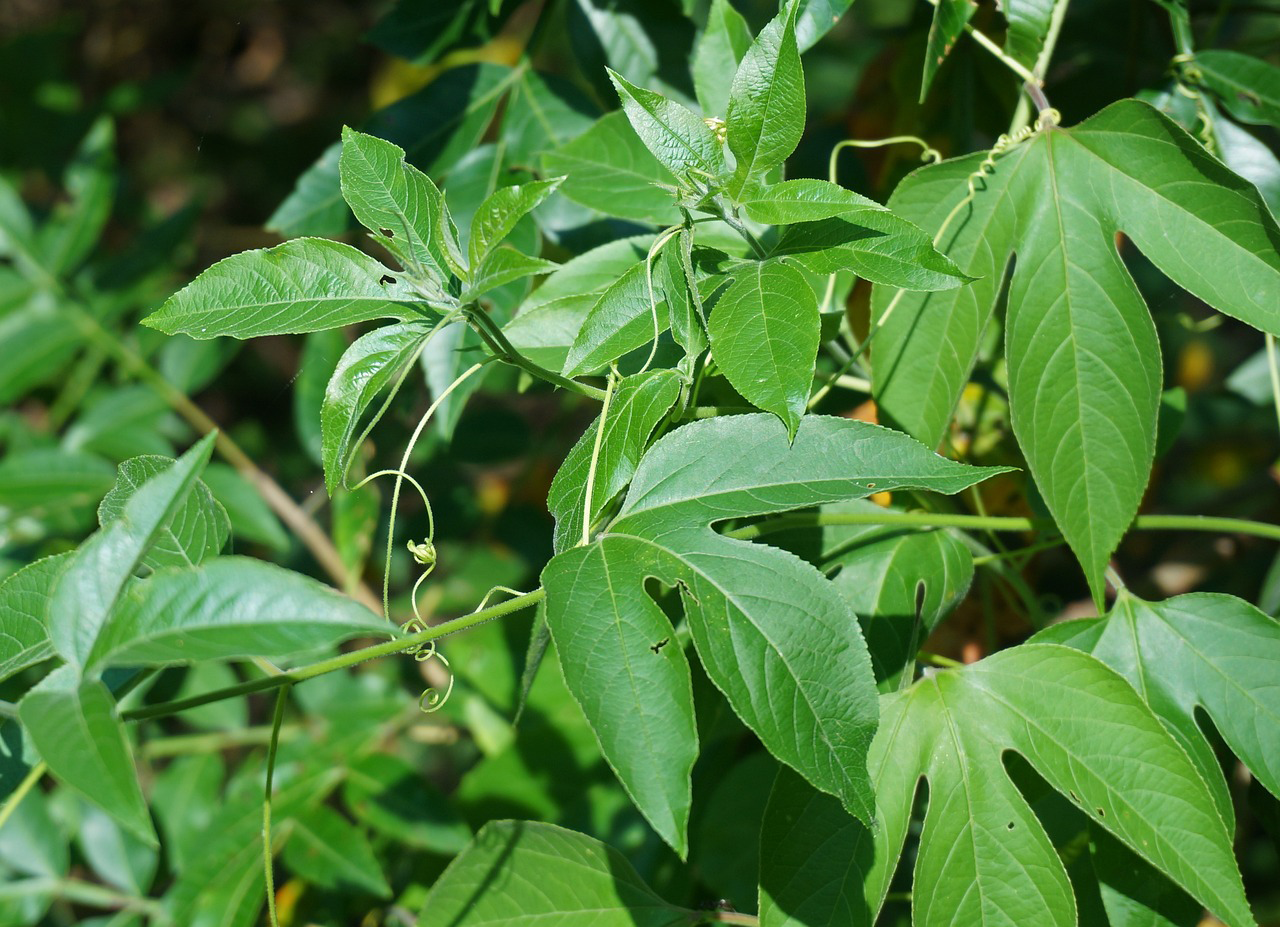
998 523
342 661
84 893
504 351
282 697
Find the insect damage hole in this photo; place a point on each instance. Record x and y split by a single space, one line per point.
386 279
386 233
660 644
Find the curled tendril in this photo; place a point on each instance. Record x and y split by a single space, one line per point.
431 698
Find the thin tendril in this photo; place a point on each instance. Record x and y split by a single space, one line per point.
595 457
1274 367
648 279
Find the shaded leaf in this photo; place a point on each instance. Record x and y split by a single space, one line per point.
74 725
24 614
549 875
1248 87
395 799
328 850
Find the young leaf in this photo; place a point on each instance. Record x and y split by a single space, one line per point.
983 855
95 578
197 531
873 243
24 614
622 320
304 285
395 201
549 875
608 168
1029 22
772 633
501 266
1078 335
1215 653
230 608
676 136
719 51
1248 87
764 335
949 20
497 216
765 117
73 724
329 851
552 315
638 405
371 364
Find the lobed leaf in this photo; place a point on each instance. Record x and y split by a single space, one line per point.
772 633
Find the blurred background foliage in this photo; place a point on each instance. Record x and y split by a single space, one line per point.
153 138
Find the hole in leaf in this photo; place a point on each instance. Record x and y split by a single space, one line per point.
387 233
1074 796
660 644
1101 813
386 279
1009 825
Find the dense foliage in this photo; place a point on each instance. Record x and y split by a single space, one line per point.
802 560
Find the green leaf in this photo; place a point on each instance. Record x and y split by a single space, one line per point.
48 343
230 608
198 529
544 112
638 405
373 363
676 136
815 18
1029 23
74 725
501 266
719 51
772 633
44 482
321 352
436 127
327 850
1248 87
395 201
548 875
304 285
949 19
394 798
251 518
115 854
71 231
766 111
1084 363
983 855
836 229
627 316
24 614
95 578
609 168
551 317
315 207
121 423
184 796
764 336
1204 651
501 210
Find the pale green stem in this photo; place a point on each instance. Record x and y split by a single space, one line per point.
408 642
282 697
982 39
28 782
595 458
1274 367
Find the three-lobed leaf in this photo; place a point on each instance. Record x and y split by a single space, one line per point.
983 856
304 285
1084 362
771 631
